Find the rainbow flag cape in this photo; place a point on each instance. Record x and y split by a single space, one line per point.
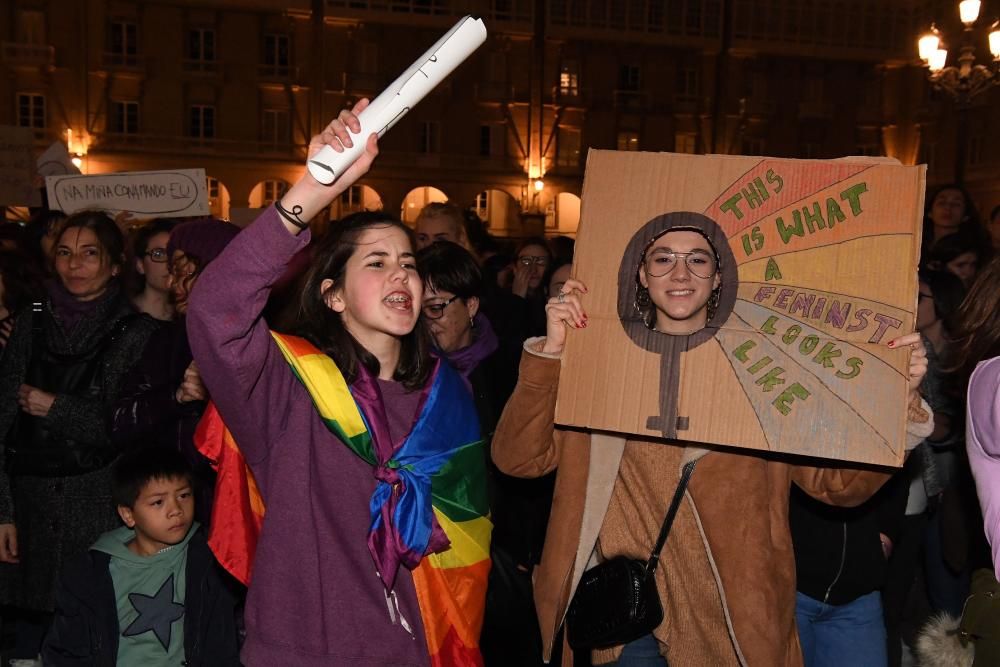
429 510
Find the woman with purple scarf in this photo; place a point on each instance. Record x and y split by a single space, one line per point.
62 369
453 289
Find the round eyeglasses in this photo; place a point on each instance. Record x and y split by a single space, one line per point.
434 311
659 263
158 255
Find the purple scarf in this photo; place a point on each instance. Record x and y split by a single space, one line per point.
69 310
484 344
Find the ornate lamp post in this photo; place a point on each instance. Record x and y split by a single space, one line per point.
965 80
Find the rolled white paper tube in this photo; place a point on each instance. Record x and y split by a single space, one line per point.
402 95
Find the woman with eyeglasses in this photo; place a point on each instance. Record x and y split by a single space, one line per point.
163 397
531 263
150 270
519 508
63 369
726 579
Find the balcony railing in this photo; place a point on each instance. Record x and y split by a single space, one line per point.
570 96
758 106
686 103
631 100
432 7
182 144
278 72
123 61
881 29
39 55
815 109
494 92
362 83
449 161
202 66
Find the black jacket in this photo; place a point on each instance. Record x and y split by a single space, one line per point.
147 412
838 552
85 629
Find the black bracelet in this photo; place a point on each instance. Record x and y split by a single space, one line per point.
291 216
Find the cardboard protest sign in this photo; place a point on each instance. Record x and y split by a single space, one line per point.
818 272
55 161
17 167
143 193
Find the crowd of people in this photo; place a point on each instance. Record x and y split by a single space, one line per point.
258 447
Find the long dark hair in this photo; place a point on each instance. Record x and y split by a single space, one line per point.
324 328
977 330
971 225
136 281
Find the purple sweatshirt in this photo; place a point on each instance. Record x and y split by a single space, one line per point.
315 597
982 441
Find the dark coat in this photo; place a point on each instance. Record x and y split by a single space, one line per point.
85 629
148 413
838 553
58 517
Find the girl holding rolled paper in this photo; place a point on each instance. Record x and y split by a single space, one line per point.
726 573
364 480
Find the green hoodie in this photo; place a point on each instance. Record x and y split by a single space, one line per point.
149 595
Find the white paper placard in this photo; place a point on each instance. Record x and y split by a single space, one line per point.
178 193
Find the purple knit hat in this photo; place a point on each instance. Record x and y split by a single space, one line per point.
202 239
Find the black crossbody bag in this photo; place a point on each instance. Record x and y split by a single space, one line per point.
616 601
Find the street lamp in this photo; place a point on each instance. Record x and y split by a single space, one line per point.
967 79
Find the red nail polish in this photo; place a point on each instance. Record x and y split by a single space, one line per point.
892 344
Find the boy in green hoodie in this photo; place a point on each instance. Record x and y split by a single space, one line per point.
148 593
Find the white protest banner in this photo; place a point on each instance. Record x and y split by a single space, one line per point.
17 167
55 161
183 192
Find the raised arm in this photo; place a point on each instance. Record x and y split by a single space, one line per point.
526 443
982 441
239 363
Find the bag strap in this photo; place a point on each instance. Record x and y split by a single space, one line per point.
654 558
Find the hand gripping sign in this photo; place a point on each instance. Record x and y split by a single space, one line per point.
817 263
420 78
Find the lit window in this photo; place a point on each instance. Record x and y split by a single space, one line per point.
568 147
685 142
628 141
569 79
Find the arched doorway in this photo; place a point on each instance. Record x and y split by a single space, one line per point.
218 199
416 199
354 199
267 192
499 210
566 215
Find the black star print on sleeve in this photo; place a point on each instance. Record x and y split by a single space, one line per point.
156 613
